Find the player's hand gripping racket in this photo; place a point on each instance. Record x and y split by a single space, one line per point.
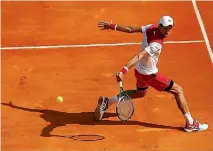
125 105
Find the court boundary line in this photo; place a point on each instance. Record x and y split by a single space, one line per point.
96 45
200 21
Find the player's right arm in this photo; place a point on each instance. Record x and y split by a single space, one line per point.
150 50
128 29
134 60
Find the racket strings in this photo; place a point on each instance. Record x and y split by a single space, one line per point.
125 107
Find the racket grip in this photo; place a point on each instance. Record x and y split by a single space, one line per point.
120 83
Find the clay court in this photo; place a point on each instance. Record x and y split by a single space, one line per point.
69 66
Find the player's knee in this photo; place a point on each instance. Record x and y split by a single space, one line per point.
177 89
141 93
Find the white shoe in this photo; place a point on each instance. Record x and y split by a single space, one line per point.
196 126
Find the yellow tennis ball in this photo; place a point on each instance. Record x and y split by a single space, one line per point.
60 99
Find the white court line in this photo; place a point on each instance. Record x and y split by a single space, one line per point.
94 45
203 29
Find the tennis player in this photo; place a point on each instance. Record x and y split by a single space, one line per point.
146 71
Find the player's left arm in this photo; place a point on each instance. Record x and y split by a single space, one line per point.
128 29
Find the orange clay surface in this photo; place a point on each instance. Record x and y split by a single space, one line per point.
33 78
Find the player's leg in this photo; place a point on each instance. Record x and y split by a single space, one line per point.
191 124
105 102
162 83
133 94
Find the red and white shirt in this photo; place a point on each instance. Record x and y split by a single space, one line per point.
152 43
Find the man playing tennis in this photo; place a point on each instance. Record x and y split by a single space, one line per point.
146 71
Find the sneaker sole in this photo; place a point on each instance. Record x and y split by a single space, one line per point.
191 130
194 130
98 114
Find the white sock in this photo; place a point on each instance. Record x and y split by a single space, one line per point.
188 118
113 100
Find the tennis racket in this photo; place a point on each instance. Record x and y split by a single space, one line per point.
125 105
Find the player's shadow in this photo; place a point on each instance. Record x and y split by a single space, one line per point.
57 118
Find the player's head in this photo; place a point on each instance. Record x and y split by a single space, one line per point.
165 25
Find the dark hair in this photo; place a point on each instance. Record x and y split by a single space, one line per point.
161 25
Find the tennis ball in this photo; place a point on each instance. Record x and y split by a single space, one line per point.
60 99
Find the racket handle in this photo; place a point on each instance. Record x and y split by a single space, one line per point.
120 83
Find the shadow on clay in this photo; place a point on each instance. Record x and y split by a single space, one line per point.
57 119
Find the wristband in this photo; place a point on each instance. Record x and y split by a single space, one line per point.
113 26
124 70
